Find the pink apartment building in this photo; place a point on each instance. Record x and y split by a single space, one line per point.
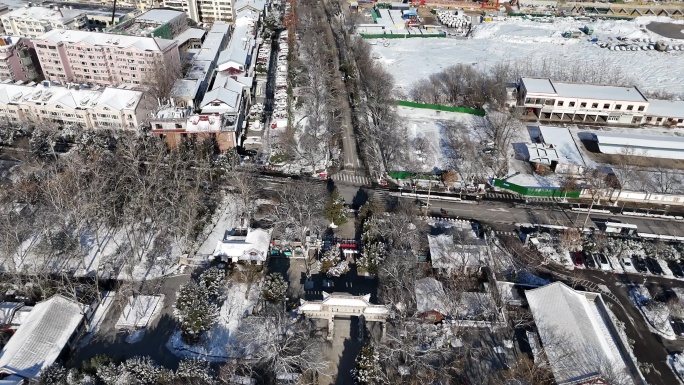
16 62
102 58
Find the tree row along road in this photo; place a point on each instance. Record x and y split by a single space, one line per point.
351 158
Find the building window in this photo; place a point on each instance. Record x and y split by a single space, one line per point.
549 102
583 105
572 104
618 107
641 108
630 108
594 105
560 103
659 120
606 106
178 125
612 118
680 120
648 118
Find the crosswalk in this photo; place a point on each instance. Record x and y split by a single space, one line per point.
503 195
510 196
350 178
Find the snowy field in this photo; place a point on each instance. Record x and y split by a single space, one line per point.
221 343
428 133
524 42
140 311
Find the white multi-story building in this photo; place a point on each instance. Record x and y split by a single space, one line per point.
565 102
35 21
88 107
209 11
102 58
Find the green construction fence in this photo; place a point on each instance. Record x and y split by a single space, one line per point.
438 107
535 191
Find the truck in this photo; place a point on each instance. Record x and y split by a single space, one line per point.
588 30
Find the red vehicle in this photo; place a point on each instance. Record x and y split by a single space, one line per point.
578 258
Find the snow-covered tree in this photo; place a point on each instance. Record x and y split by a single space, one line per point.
212 280
367 370
195 371
274 288
54 374
372 256
334 210
142 370
331 263
195 310
111 374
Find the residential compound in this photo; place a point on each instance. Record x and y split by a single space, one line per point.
35 21
210 11
587 103
17 62
88 107
101 58
216 112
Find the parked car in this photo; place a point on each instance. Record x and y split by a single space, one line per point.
603 262
578 258
675 268
653 266
627 265
640 265
589 260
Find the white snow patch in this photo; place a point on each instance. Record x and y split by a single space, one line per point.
656 313
140 311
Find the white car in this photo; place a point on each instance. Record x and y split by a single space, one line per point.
603 262
627 265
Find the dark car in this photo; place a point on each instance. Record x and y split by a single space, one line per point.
578 258
653 266
589 260
675 268
640 265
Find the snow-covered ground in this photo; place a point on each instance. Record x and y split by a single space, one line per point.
226 218
140 311
220 343
676 362
656 313
529 44
96 320
428 134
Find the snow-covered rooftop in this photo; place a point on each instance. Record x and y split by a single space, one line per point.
430 296
582 91
190 33
159 16
116 98
562 141
41 338
63 15
251 247
665 108
341 302
669 147
470 251
575 334
107 40
241 43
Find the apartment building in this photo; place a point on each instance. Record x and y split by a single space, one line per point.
35 21
205 11
102 58
4 9
564 102
89 107
17 61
